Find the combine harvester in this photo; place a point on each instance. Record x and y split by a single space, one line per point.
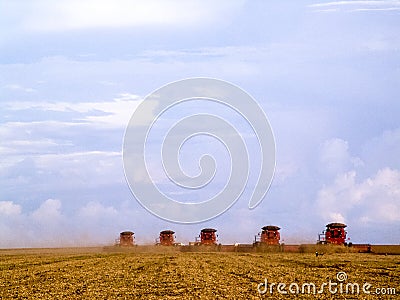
206 241
332 240
166 238
335 234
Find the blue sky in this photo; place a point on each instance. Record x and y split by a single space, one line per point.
327 75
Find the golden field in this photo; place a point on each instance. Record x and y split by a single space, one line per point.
93 273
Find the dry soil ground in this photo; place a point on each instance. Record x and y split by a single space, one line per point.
92 273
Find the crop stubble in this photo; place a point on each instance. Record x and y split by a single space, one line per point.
74 274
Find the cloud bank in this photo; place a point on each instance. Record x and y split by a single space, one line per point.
326 75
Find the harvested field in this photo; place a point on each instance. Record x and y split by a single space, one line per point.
92 273
386 249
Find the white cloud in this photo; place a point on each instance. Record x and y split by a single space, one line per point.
367 3
50 210
23 146
336 217
284 171
49 226
375 199
82 107
42 139
327 10
18 87
335 157
356 6
50 16
9 208
97 210
378 9
382 150
116 112
78 170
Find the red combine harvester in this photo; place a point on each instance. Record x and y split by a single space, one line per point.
333 234
336 235
268 240
166 238
207 236
126 238
268 236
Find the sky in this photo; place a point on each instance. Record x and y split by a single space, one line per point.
326 74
